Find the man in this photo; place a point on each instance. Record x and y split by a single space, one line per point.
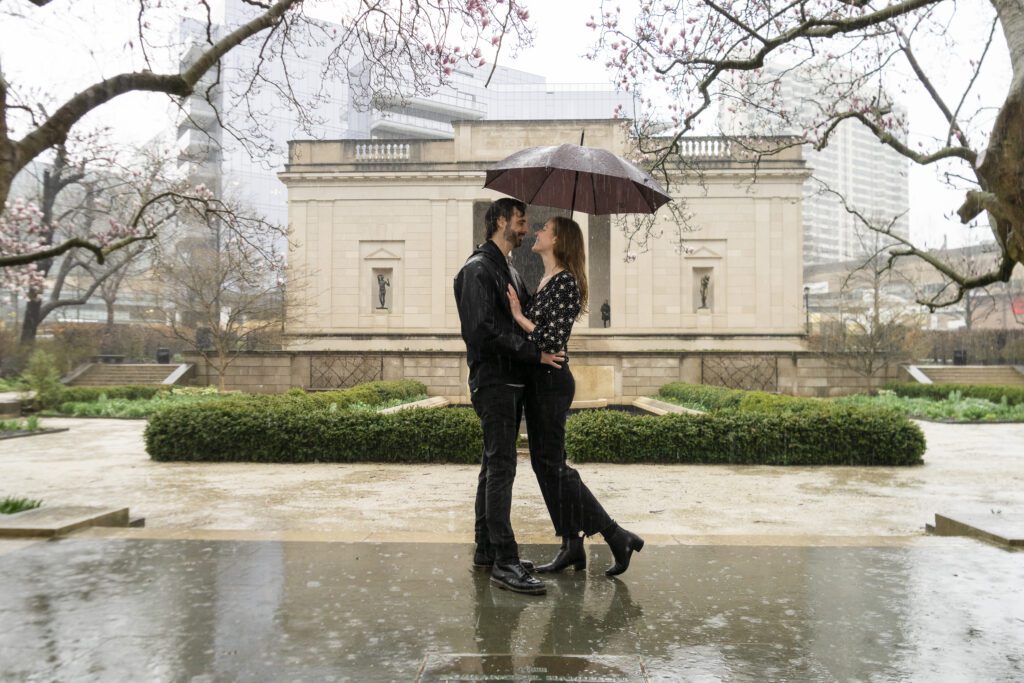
496 350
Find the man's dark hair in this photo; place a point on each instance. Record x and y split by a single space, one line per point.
501 208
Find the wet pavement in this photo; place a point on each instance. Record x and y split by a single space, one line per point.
144 609
969 469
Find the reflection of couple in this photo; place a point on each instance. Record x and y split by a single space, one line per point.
516 351
570 628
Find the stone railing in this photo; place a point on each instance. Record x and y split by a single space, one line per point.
382 151
716 148
706 148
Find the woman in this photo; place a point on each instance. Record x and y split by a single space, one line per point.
560 300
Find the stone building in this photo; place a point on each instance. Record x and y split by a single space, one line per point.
381 228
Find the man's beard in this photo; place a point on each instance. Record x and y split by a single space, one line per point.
513 238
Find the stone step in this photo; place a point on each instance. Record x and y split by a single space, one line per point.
1004 374
59 520
999 528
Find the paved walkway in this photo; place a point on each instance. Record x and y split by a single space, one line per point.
95 609
968 468
305 572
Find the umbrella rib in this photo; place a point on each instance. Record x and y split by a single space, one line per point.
540 186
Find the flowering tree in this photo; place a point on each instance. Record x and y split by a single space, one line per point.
688 60
400 44
224 286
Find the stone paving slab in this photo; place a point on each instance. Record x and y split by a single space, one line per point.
59 519
98 609
1003 529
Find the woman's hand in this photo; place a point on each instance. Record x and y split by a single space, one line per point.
517 310
513 303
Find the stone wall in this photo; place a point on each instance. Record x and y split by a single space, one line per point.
598 375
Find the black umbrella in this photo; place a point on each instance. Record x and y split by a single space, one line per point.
595 181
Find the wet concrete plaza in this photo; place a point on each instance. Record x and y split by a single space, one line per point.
124 606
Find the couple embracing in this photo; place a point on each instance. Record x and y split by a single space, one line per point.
516 351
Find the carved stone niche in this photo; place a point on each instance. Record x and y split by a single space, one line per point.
380 279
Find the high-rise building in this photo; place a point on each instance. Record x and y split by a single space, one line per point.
871 177
224 163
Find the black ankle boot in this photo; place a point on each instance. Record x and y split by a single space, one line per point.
571 553
622 543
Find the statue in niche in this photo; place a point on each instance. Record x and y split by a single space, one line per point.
382 290
606 314
705 283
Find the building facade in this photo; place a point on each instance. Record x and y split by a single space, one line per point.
382 227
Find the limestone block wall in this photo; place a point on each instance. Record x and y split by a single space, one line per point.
616 376
258 373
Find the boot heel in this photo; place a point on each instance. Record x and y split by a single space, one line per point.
639 544
579 566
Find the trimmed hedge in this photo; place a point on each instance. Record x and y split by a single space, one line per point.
707 397
1014 395
837 436
91 394
296 431
715 399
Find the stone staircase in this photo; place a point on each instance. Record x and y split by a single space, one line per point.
1006 375
112 374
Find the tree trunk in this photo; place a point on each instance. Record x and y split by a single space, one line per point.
33 319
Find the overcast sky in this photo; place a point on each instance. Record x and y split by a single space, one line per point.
55 54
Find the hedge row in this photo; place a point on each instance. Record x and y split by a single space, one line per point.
302 431
1014 395
371 393
130 392
715 399
838 436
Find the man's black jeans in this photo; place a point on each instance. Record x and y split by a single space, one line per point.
500 408
573 508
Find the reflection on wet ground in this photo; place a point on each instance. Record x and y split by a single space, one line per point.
156 610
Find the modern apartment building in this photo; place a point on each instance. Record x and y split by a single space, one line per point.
870 176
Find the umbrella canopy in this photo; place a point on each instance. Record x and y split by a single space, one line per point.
574 177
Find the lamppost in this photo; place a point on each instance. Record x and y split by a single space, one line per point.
807 309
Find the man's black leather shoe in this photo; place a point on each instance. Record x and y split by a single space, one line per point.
482 561
512 577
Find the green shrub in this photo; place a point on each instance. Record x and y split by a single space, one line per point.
938 392
129 392
717 399
701 396
41 376
302 431
839 435
956 408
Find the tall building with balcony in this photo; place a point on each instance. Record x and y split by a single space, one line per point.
870 176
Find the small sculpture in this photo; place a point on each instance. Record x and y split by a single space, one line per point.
705 282
382 290
606 313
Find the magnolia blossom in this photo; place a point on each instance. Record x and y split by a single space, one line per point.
21 232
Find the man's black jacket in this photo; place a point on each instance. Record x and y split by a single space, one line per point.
496 347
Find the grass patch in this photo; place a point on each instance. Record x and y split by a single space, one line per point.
9 505
955 407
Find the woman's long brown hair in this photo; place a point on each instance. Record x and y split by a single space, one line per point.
570 254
